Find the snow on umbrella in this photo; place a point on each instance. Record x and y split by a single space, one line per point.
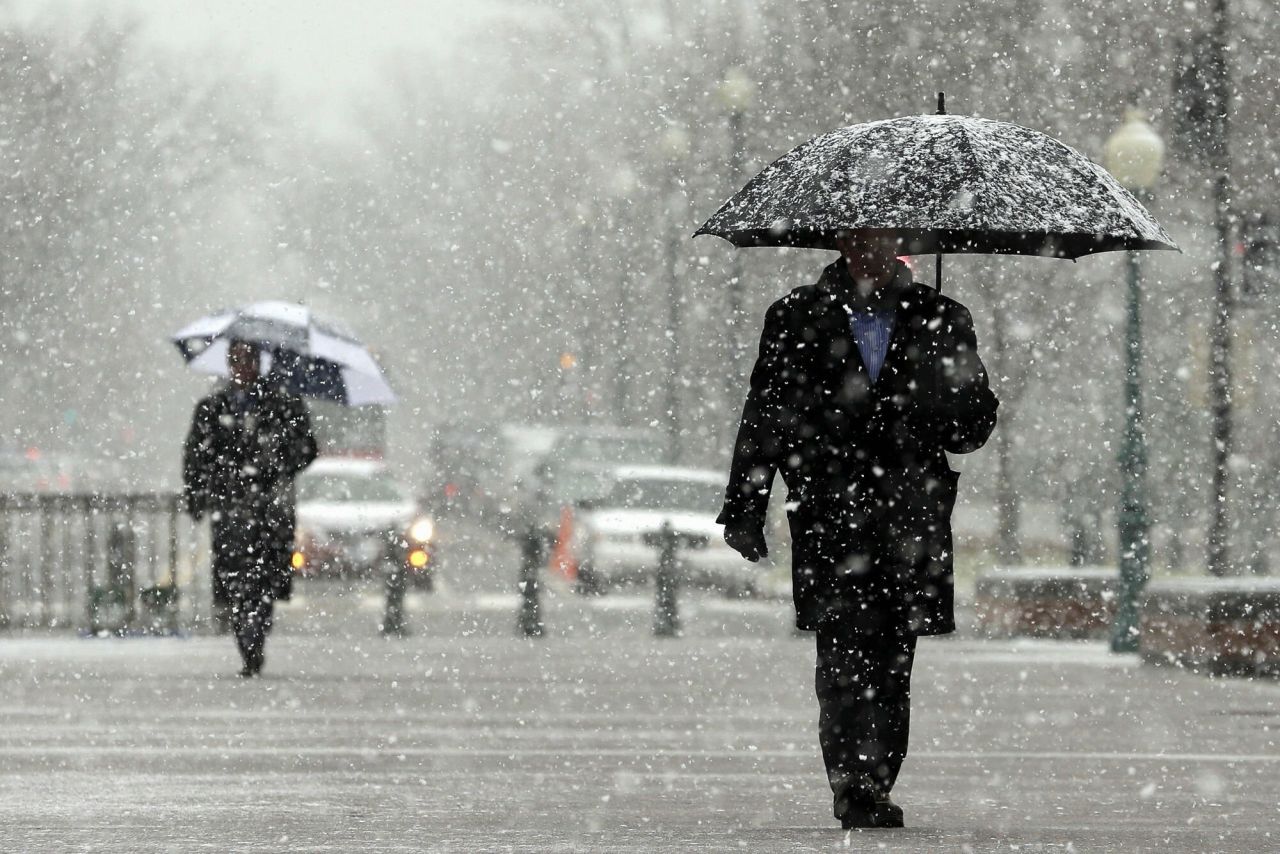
314 358
946 184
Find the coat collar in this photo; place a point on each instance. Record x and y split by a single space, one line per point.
908 300
835 279
259 390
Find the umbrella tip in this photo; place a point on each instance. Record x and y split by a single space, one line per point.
942 104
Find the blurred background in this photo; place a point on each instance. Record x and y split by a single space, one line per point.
498 198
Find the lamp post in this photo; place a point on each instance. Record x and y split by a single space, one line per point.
675 150
586 302
1219 99
622 186
1135 156
737 94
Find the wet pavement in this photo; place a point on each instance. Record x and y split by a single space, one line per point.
600 737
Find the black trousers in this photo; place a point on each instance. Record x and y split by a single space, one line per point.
244 566
863 684
252 607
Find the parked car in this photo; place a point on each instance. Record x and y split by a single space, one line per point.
356 519
579 466
466 467
607 445
616 535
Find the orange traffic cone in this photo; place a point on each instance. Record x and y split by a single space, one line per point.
562 558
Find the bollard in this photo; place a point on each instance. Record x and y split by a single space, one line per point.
666 615
529 620
160 604
393 623
122 550
111 607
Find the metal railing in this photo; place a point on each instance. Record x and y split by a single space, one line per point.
97 562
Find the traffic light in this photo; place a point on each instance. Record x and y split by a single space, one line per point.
1260 256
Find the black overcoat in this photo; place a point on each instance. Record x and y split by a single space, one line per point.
240 460
870 491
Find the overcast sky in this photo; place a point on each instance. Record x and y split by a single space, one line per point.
322 53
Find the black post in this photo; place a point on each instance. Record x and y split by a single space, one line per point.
737 346
397 580
666 615
673 348
676 147
1220 331
112 604
1134 525
529 620
622 380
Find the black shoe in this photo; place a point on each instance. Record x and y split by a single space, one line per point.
863 808
887 813
853 801
252 666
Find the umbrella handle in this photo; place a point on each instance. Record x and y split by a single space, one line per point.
937 279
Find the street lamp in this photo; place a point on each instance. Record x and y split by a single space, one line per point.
622 186
1218 126
674 146
737 93
586 303
1135 156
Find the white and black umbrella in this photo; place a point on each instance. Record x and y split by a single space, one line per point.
946 184
312 357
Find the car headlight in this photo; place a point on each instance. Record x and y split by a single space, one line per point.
422 530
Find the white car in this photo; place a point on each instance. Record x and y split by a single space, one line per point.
615 537
354 517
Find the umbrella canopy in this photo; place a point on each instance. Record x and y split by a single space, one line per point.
946 184
312 357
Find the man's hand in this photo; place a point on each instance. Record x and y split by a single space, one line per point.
747 539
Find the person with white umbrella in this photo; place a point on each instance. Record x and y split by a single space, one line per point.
248 441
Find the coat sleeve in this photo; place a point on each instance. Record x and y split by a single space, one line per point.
197 460
962 412
299 448
760 442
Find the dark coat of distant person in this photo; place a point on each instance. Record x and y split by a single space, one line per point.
865 464
239 464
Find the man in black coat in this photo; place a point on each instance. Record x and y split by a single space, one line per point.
864 382
248 441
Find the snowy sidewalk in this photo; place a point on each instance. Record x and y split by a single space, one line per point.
608 740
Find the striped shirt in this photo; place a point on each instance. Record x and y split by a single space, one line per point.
871 331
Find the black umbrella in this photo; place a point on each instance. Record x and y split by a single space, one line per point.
945 184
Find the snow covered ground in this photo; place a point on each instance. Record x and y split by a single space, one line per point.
601 738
